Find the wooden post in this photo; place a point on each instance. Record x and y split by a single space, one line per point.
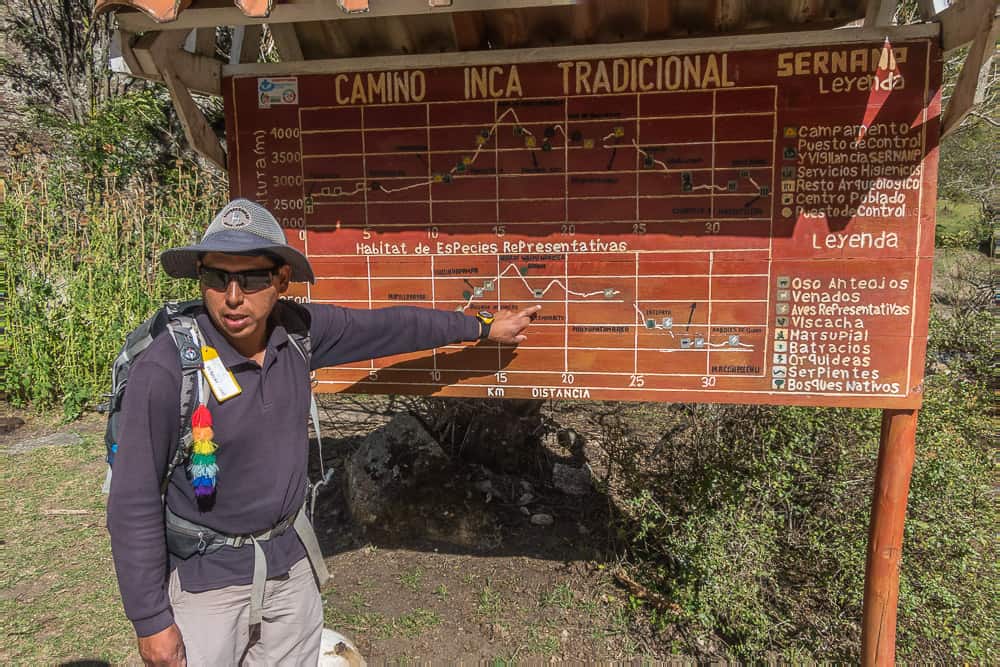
885 536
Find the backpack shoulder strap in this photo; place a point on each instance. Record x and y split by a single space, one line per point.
187 337
296 319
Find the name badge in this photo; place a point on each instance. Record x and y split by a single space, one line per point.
220 379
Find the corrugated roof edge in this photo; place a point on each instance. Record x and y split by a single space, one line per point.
165 11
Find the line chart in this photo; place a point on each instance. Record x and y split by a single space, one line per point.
636 307
488 286
690 343
466 155
465 163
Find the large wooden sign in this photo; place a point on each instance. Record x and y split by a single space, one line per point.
732 226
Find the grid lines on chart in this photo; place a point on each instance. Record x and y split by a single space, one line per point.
575 167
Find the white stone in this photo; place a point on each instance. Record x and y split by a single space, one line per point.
336 650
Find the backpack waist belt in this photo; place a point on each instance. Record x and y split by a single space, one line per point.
186 538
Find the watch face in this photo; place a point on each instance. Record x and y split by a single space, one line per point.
485 315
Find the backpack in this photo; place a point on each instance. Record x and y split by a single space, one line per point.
178 320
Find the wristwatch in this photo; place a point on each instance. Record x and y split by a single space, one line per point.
485 318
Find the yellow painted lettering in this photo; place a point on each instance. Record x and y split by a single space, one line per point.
513 83
643 83
601 82
582 72
358 91
565 67
495 90
338 83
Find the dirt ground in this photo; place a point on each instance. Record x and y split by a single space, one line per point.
545 593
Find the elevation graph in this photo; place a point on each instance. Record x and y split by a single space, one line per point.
598 163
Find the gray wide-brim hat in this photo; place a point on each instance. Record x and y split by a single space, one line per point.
242 228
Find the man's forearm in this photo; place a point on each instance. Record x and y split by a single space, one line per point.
139 551
346 335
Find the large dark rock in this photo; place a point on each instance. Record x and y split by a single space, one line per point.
401 483
10 424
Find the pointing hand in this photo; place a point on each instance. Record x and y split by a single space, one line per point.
508 325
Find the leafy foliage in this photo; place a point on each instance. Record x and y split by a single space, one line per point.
754 519
82 271
121 138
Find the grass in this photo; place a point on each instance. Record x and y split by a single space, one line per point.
956 216
412 579
417 622
489 603
960 224
82 262
560 596
541 643
373 625
58 594
368 623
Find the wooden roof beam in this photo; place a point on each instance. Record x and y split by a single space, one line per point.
657 19
337 44
961 22
286 41
198 73
790 40
469 30
123 58
196 128
969 89
316 10
163 50
204 42
246 44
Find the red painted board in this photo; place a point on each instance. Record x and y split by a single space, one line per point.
746 227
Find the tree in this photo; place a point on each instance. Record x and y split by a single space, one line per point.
57 55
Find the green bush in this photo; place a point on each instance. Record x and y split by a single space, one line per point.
754 520
81 271
121 138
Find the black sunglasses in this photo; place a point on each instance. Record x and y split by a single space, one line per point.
253 280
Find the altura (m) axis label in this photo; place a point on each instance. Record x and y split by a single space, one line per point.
746 227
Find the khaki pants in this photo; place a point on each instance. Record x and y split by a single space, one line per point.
214 624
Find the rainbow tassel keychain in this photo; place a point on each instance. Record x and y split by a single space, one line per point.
202 468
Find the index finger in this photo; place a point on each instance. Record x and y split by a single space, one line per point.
528 312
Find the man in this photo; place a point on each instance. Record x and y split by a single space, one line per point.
245 590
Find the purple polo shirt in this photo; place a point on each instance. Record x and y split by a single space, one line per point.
263 448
